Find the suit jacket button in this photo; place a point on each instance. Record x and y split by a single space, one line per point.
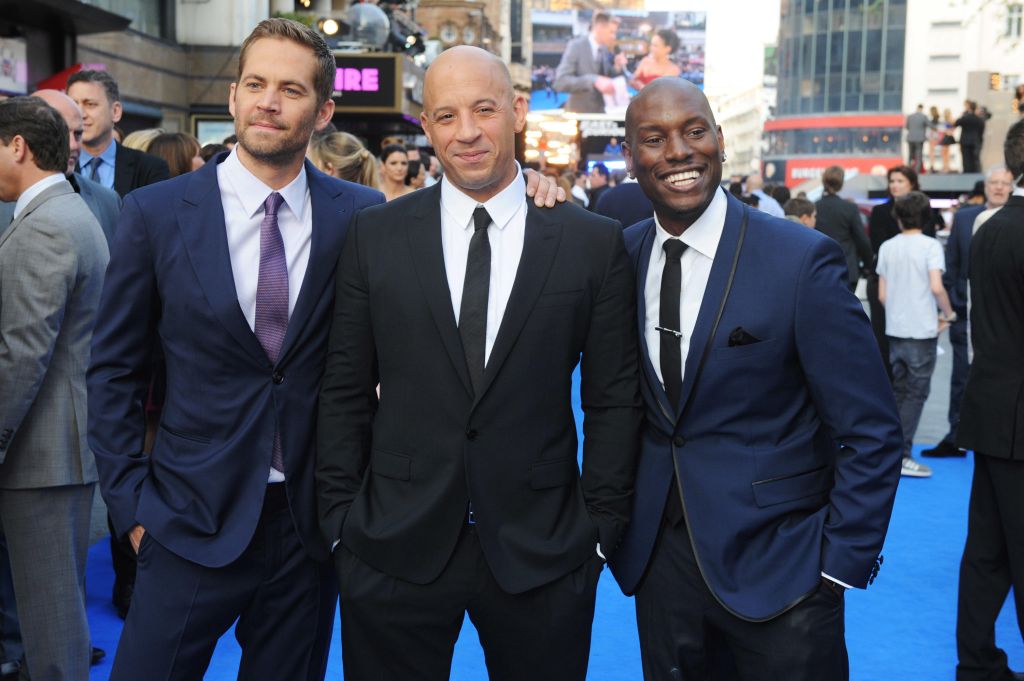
471 434
278 378
679 441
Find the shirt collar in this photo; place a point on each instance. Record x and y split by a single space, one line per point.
502 207
34 191
109 155
1018 191
704 234
252 192
595 47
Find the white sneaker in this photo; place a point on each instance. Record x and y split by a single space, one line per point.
915 469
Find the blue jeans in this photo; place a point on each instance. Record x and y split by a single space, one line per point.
913 361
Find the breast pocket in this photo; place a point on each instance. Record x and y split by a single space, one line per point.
740 352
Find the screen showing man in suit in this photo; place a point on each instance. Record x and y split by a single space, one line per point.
588 66
471 309
771 446
230 270
52 258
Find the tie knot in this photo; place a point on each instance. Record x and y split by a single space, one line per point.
481 218
272 203
674 249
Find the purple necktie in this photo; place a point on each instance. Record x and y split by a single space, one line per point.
272 297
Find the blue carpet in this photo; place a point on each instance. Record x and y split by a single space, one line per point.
901 628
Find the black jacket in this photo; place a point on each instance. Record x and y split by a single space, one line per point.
840 220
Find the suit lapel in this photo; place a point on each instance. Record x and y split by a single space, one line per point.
124 170
543 234
427 256
47 194
717 282
641 267
332 209
201 223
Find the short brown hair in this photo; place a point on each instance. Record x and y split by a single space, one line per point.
287 29
798 207
177 148
604 18
832 179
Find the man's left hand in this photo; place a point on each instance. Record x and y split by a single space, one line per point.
544 190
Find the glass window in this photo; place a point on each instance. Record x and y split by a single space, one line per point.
835 64
873 53
1014 15
147 15
870 103
894 50
897 14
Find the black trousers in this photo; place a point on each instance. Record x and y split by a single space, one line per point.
282 599
686 635
878 322
993 560
392 630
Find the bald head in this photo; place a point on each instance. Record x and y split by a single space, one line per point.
471 115
681 92
754 182
462 61
72 115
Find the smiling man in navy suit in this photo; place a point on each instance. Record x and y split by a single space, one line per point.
768 467
230 269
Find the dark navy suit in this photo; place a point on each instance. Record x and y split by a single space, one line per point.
958 248
788 454
201 493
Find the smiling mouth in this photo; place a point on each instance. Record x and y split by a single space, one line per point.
683 180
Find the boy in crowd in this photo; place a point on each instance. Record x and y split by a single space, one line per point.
910 267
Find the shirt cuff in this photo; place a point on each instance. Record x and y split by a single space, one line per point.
599 554
335 545
833 579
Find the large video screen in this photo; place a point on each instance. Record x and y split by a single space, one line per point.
589 66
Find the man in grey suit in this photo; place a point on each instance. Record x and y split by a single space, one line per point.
917 133
587 66
52 258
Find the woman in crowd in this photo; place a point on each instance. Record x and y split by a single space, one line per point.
658 61
394 166
179 149
342 155
946 140
416 175
140 139
882 226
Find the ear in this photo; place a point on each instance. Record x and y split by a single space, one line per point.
324 115
519 109
425 124
231 99
721 139
19 150
627 154
116 112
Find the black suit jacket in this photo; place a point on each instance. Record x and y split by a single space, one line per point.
992 414
394 477
134 169
972 129
840 220
882 225
958 247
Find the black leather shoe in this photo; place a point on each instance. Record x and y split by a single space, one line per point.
97 656
943 450
122 598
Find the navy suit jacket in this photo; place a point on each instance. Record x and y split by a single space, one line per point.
787 459
958 248
170 282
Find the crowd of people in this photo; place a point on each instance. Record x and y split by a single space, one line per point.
939 133
300 373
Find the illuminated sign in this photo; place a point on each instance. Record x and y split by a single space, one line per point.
368 83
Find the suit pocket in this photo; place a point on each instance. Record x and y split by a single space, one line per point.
737 352
557 473
390 464
185 436
792 487
559 298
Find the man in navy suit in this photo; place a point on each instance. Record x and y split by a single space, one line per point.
230 270
768 467
998 187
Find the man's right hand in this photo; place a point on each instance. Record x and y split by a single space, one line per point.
604 85
135 536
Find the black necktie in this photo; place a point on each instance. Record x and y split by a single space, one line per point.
473 312
671 329
94 170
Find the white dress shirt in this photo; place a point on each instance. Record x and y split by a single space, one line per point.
506 234
34 191
701 239
242 194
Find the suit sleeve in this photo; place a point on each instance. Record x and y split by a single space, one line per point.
860 239
118 376
348 397
855 401
36 283
569 76
610 396
955 262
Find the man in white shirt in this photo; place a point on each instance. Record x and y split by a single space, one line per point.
770 452
459 490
